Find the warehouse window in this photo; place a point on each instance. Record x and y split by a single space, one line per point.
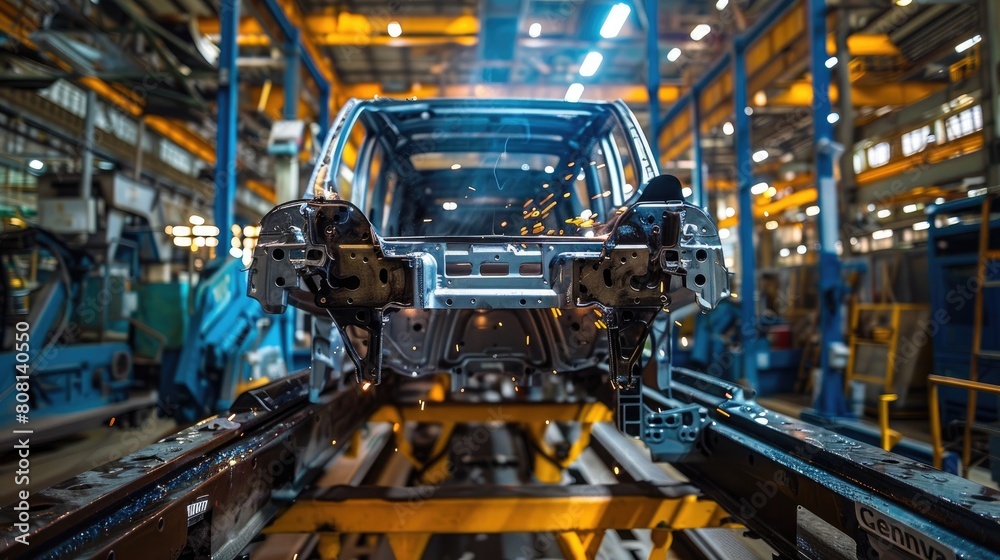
916 140
878 155
964 123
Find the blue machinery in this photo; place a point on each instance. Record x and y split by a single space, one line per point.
831 402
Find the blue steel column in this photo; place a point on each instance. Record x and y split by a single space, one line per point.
653 75
748 259
831 401
699 194
227 106
290 111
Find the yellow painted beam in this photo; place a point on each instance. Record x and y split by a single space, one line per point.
799 94
356 30
516 412
861 44
619 506
794 200
629 93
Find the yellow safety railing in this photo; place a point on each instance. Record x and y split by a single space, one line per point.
973 386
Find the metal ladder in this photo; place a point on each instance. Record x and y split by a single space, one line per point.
985 256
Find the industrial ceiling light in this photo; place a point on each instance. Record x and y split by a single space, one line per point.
760 155
395 30
591 63
833 118
535 30
771 225
920 226
674 54
196 220
884 213
801 249
721 5
968 43
903 3
456 166
727 128
882 234
574 92
615 20
759 188
760 98
812 211
36 164
700 31
831 62
784 252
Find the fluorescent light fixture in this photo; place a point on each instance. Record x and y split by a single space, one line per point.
759 188
673 54
939 200
211 241
760 98
615 20
394 29
687 192
968 43
549 169
871 207
920 226
884 213
36 164
882 234
831 62
700 31
784 252
760 155
182 241
456 166
832 118
748 111
812 211
910 208
724 233
730 211
450 205
771 225
574 92
535 29
204 231
181 231
591 63
727 128
903 3
801 249
721 5
235 253
196 220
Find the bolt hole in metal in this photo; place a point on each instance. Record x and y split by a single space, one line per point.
524 302
699 280
701 255
160 523
279 281
278 254
449 302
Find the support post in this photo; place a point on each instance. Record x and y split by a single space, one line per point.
653 75
227 107
745 179
698 191
831 401
287 161
87 173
